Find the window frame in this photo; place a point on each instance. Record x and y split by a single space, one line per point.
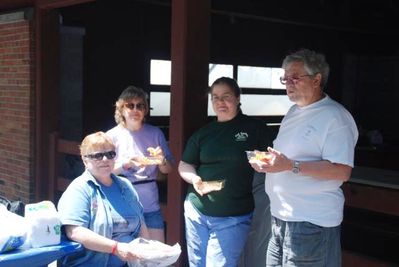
245 91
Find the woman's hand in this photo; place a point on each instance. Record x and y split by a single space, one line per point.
96 242
198 186
126 252
136 162
131 163
158 154
189 174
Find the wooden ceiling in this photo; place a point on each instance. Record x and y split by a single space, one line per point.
353 15
362 15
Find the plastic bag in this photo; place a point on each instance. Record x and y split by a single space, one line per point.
13 230
45 224
154 253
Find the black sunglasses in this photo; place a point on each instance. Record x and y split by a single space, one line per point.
138 106
100 155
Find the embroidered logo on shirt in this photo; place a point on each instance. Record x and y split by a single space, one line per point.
308 132
241 136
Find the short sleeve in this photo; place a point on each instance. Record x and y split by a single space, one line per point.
339 146
165 147
74 206
191 154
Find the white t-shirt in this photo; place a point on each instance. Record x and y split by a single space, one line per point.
324 130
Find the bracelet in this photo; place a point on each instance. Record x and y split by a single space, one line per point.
114 247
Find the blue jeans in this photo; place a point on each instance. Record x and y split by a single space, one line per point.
214 241
154 219
303 244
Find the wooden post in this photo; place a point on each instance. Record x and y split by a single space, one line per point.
190 68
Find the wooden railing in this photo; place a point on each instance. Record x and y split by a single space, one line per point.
59 146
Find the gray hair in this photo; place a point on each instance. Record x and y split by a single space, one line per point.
313 63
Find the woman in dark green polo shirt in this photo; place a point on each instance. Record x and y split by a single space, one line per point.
218 219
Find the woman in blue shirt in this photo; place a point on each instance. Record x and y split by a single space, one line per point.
101 210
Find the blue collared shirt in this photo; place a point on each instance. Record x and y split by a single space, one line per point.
84 204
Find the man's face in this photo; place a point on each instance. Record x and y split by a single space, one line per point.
302 88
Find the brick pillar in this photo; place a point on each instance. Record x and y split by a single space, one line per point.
17 98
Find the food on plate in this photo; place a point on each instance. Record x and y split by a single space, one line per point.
205 187
212 185
149 160
256 156
154 151
155 157
266 157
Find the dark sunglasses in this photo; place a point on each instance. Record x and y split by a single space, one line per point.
138 106
100 155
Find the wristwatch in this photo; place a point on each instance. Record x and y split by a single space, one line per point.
295 167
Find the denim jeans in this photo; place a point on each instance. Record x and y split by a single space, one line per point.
154 219
214 241
303 244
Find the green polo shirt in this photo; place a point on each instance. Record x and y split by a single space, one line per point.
218 152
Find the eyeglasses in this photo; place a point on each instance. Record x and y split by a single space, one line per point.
100 155
223 98
138 106
292 80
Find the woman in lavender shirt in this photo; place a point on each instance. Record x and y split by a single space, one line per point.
133 138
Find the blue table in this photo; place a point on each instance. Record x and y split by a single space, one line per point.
35 257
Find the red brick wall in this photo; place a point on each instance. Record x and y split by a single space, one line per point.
17 83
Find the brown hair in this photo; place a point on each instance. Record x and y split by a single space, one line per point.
230 82
131 92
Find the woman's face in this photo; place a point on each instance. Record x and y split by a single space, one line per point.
134 111
100 162
224 102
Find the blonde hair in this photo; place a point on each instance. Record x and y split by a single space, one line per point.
95 141
131 92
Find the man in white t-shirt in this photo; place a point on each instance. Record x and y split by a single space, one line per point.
313 156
